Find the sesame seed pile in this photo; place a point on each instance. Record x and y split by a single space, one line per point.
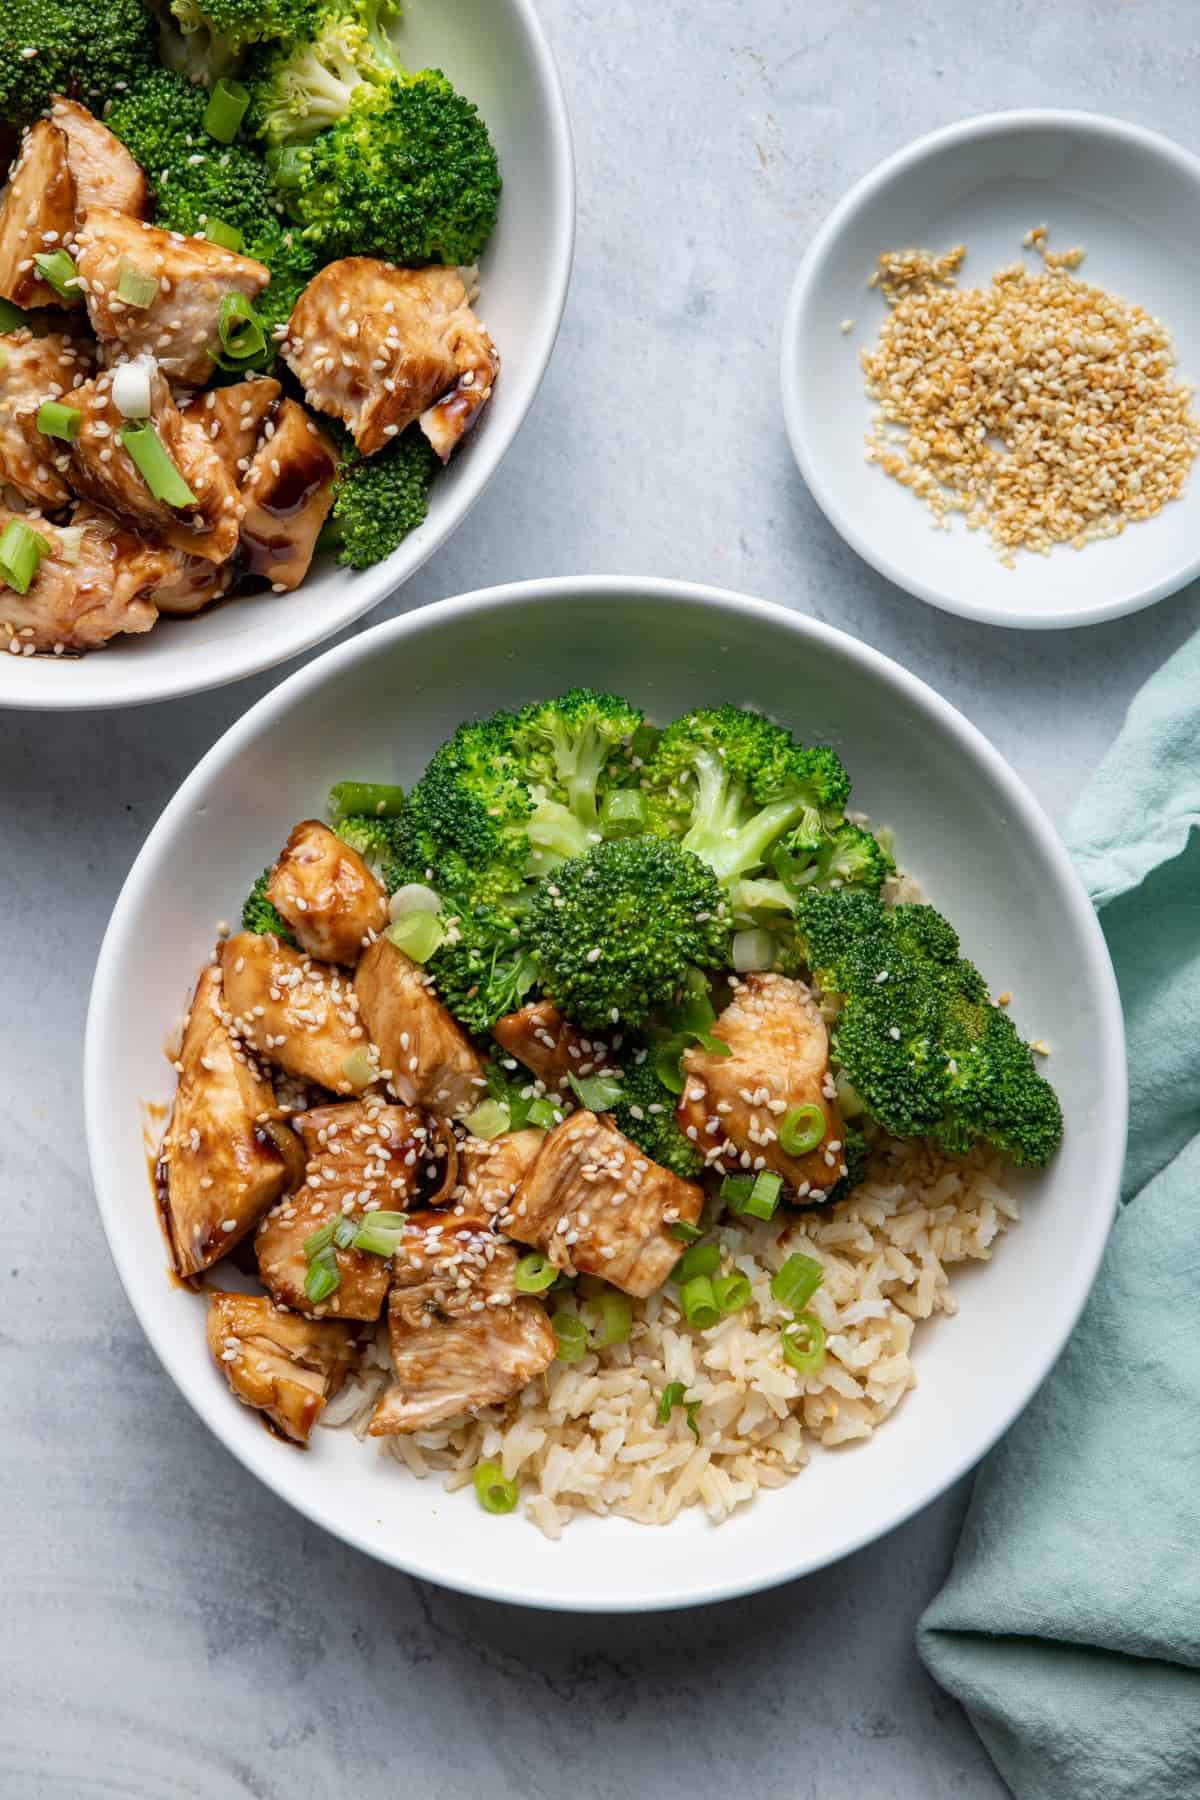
1044 410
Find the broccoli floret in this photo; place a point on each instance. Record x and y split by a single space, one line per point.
303 87
378 500
409 173
646 1115
206 39
259 915
996 1092
376 839
87 51
732 783
576 748
483 970
615 932
464 828
161 123
846 856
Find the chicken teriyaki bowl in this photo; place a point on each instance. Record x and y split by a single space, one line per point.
595 1122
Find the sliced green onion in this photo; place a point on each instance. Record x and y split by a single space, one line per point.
379 1233
12 317
150 457
616 1320
320 1240
750 950
344 1232
21 553
70 544
358 1066
239 328
227 236
670 1398
225 110
699 1302
386 1221
495 1493
755 1195
701 1259
623 813
543 1113
803 1344
418 934
795 1284
685 1233
59 421
572 1336
801 1129
598 1093
735 1191
136 287
534 1274
322 1278
57 269
490 1119
379 798
668 1064
732 1292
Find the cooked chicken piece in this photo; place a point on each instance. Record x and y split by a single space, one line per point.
287 496
226 1157
288 1368
103 470
181 323
363 1157
88 590
101 167
233 418
550 1046
37 214
177 584
594 1204
377 346
298 1013
427 1058
491 1171
461 1335
330 899
780 1057
33 369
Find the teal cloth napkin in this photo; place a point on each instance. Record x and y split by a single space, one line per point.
1069 1626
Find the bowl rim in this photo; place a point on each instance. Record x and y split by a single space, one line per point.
105 1014
902 162
366 589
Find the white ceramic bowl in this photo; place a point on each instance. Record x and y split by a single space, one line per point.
496 52
376 707
1131 200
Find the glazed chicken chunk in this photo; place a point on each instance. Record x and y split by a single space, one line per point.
287 1368
102 170
550 1047
226 1157
295 1012
379 347
89 588
103 470
491 1170
232 418
427 1058
362 1158
332 902
461 1335
732 1105
287 495
594 1204
37 216
181 323
34 369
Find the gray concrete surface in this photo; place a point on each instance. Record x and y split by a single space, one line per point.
169 1629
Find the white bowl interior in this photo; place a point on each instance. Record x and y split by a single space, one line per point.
495 52
1125 196
375 708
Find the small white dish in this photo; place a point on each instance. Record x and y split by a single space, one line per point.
1131 200
376 707
496 52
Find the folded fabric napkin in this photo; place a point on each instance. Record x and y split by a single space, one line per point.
1070 1624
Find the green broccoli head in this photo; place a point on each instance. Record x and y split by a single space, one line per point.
732 783
576 751
483 969
377 839
87 51
206 39
304 85
378 500
464 828
260 916
646 1114
616 931
408 173
996 1090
